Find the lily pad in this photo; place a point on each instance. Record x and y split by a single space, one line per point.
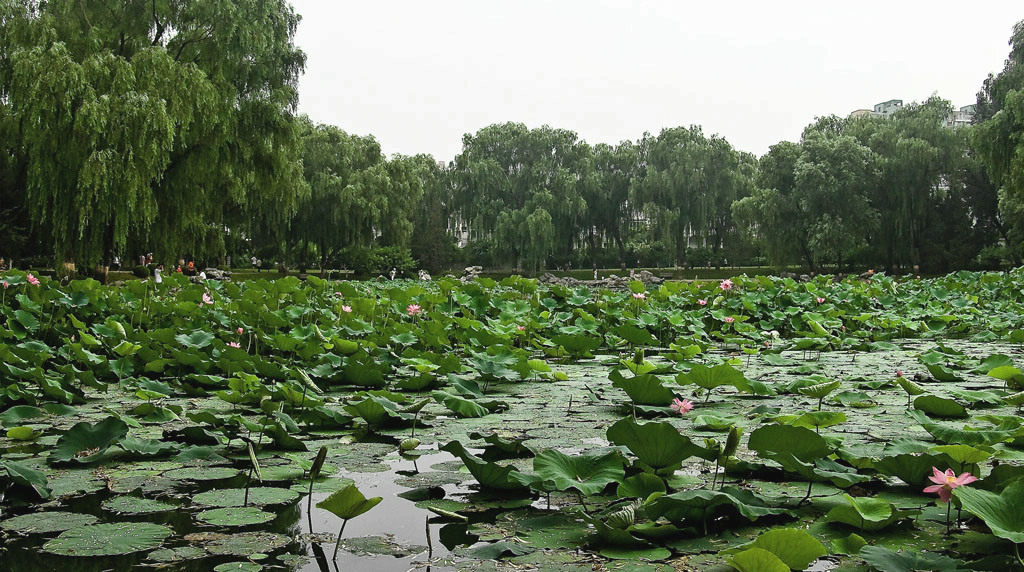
246 543
47 522
108 539
202 473
258 496
235 516
126 504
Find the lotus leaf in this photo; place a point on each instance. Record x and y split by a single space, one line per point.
940 407
588 474
757 560
1001 512
47 522
235 516
258 496
108 539
658 445
793 546
885 560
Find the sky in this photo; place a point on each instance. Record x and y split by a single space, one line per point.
418 75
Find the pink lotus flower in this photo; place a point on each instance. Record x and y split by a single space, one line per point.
521 328
726 284
414 310
338 294
32 279
346 309
206 299
729 319
7 284
821 300
681 406
639 296
702 302
235 344
240 330
946 482
899 373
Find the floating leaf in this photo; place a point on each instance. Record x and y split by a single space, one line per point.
235 516
259 496
108 539
47 522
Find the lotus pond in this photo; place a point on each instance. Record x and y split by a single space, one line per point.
757 424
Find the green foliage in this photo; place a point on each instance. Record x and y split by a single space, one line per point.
155 124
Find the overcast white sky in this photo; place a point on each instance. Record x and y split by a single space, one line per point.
419 74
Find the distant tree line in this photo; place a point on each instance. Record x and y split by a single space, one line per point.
170 127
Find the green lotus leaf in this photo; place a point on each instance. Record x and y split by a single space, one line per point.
246 543
196 340
258 496
963 454
1001 512
47 522
235 516
86 442
108 539
819 390
942 373
348 503
940 407
644 389
635 336
21 434
949 435
793 546
488 474
146 448
758 560
125 504
379 411
912 469
461 406
711 377
868 513
640 486
819 419
801 442
20 413
701 505
201 473
245 566
588 474
885 560
658 445
849 545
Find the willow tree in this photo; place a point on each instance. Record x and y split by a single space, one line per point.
917 159
520 187
690 183
154 122
999 137
346 174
